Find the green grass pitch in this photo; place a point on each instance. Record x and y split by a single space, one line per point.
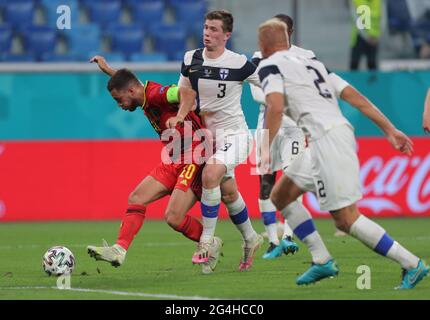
158 264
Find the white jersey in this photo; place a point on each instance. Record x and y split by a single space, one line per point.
310 98
218 83
257 92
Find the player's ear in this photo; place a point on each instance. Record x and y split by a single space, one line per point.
227 35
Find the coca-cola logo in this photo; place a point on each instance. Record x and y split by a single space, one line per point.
399 184
383 182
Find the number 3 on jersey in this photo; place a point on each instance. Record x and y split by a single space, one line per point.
222 87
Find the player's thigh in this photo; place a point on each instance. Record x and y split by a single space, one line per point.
233 151
336 169
180 203
147 191
284 192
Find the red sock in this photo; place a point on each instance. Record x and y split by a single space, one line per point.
130 225
191 228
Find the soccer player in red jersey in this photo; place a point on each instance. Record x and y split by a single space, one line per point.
166 107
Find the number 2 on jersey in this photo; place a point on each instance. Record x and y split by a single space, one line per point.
320 81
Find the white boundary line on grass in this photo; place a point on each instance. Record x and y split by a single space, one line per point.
118 293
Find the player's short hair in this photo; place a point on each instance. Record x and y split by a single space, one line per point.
223 15
273 32
287 20
122 79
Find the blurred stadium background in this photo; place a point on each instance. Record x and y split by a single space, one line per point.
68 153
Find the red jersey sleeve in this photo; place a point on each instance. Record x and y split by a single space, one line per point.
156 94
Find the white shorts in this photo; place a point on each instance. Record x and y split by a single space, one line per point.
288 144
330 168
233 150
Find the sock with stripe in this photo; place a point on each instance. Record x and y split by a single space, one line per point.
191 228
209 204
268 213
376 238
239 215
130 225
300 220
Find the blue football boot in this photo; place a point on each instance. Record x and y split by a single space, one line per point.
411 277
289 246
318 272
274 251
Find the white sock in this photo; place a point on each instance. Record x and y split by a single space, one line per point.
209 204
268 213
287 230
376 238
301 222
239 215
406 259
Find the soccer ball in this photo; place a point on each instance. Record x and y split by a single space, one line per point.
58 261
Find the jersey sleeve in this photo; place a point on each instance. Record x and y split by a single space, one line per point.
271 79
257 93
252 73
184 81
160 96
337 83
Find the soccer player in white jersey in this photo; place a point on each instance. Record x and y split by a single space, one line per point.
217 75
330 168
283 152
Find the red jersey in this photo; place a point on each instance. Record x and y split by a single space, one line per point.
158 110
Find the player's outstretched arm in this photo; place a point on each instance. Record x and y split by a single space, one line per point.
426 114
397 138
101 62
186 98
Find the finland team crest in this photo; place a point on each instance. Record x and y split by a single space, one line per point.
223 73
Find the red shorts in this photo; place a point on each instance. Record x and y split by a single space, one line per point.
179 176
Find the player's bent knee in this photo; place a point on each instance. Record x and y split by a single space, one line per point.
229 197
342 225
173 217
210 179
135 198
